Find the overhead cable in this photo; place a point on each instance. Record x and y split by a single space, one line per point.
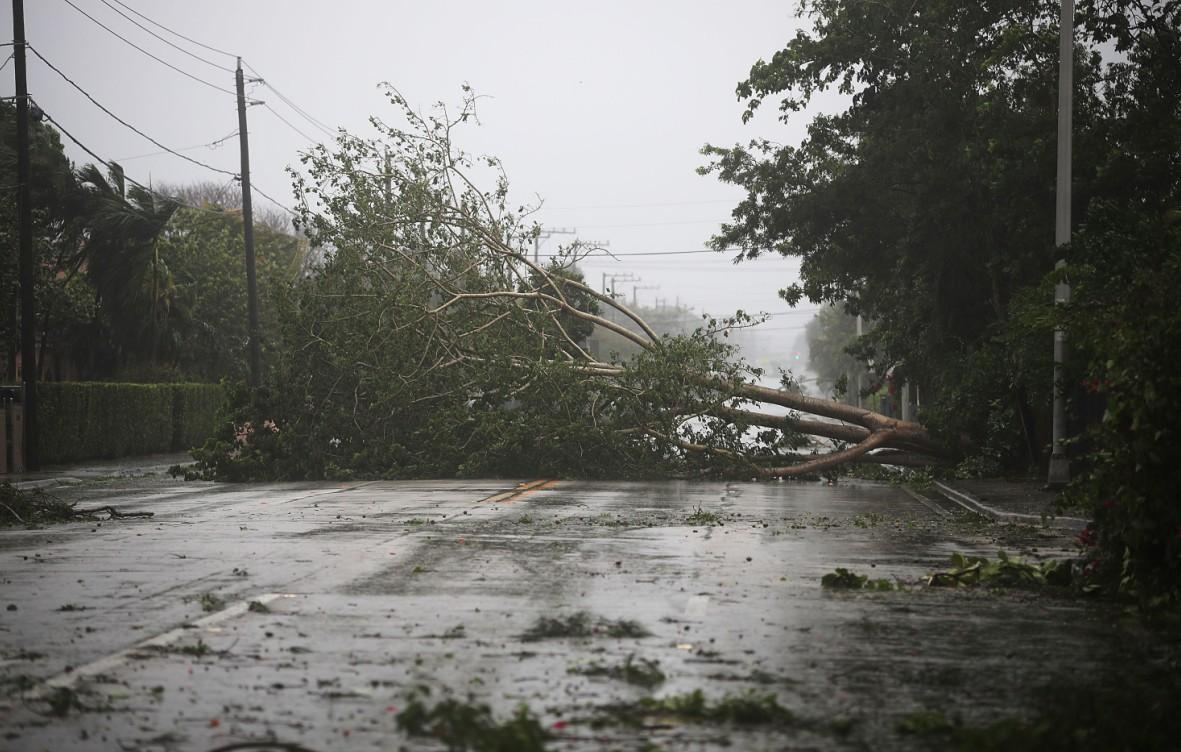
660 224
289 124
174 33
636 206
210 145
141 49
608 255
287 101
260 192
124 122
165 41
113 166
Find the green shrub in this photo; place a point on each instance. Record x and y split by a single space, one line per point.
1126 321
85 421
194 413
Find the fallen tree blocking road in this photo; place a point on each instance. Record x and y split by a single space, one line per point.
429 342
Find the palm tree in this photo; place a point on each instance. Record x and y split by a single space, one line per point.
133 285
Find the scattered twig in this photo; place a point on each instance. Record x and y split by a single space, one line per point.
12 512
263 746
111 512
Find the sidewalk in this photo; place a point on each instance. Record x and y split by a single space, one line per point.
122 467
1021 500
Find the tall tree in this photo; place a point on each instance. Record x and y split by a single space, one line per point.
926 203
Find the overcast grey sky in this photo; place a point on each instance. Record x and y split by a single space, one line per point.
599 108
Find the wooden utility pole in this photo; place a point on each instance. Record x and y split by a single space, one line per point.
248 234
25 220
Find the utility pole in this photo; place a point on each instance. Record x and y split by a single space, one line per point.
25 220
248 235
548 233
1059 474
623 277
635 298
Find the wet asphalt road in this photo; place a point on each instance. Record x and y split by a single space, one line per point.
368 590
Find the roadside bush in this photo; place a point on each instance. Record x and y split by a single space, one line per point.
84 421
194 413
1125 319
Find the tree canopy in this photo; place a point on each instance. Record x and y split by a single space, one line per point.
926 205
132 282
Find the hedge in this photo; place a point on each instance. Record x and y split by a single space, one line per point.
98 420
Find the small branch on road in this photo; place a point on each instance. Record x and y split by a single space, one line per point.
263 746
13 513
111 512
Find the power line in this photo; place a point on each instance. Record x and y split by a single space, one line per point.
659 224
287 101
141 49
165 41
637 206
299 110
607 256
113 166
211 145
109 165
121 120
259 191
289 124
174 33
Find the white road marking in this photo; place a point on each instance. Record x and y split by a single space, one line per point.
115 660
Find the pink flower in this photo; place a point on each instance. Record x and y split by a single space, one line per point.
559 725
1089 536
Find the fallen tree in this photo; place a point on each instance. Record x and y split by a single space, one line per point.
429 342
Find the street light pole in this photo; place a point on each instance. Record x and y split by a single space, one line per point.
1059 474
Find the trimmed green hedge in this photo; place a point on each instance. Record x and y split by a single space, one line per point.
98 420
194 413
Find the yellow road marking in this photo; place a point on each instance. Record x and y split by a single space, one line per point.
522 489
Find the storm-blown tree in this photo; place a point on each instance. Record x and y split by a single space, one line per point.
61 300
926 203
429 343
134 285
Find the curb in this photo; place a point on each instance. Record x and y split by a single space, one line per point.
972 504
29 485
71 480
